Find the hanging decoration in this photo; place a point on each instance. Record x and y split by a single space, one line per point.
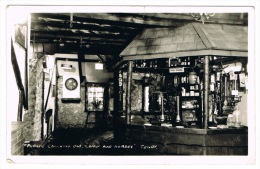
202 16
71 20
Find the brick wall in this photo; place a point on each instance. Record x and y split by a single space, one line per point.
18 138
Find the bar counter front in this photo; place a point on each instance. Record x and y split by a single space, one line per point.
163 139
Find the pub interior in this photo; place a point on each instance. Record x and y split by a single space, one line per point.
131 84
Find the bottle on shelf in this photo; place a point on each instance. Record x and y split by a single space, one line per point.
144 64
185 62
188 61
141 63
212 83
155 64
178 118
137 64
151 64
166 63
183 91
179 61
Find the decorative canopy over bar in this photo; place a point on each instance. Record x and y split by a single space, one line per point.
192 39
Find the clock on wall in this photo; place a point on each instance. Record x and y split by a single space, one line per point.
71 88
71 84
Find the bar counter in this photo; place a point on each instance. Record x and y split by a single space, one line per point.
184 141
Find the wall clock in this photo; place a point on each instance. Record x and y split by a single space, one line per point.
71 84
71 88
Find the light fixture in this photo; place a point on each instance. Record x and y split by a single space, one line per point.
202 16
99 66
66 66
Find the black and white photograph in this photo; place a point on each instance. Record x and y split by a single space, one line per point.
163 83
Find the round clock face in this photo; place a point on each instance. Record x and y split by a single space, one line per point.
71 84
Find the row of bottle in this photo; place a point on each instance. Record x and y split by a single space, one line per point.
191 92
191 78
190 104
175 62
155 63
186 61
165 63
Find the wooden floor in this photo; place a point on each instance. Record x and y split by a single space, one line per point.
85 142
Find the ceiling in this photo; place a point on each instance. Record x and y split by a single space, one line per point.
107 34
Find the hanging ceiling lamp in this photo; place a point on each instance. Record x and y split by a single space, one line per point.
66 65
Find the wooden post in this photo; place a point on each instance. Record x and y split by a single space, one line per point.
26 78
20 105
18 82
128 92
206 92
27 56
80 60
43 106
118 96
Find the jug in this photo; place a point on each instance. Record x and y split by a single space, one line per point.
192 77
237 117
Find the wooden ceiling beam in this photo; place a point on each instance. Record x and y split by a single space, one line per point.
134 20
95 50
73 48
71 42
111 19
76 43
79 31
61 38
74 38
171 19
218 18
158 16
85 26
78 34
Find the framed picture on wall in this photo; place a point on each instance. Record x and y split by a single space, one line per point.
95 96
